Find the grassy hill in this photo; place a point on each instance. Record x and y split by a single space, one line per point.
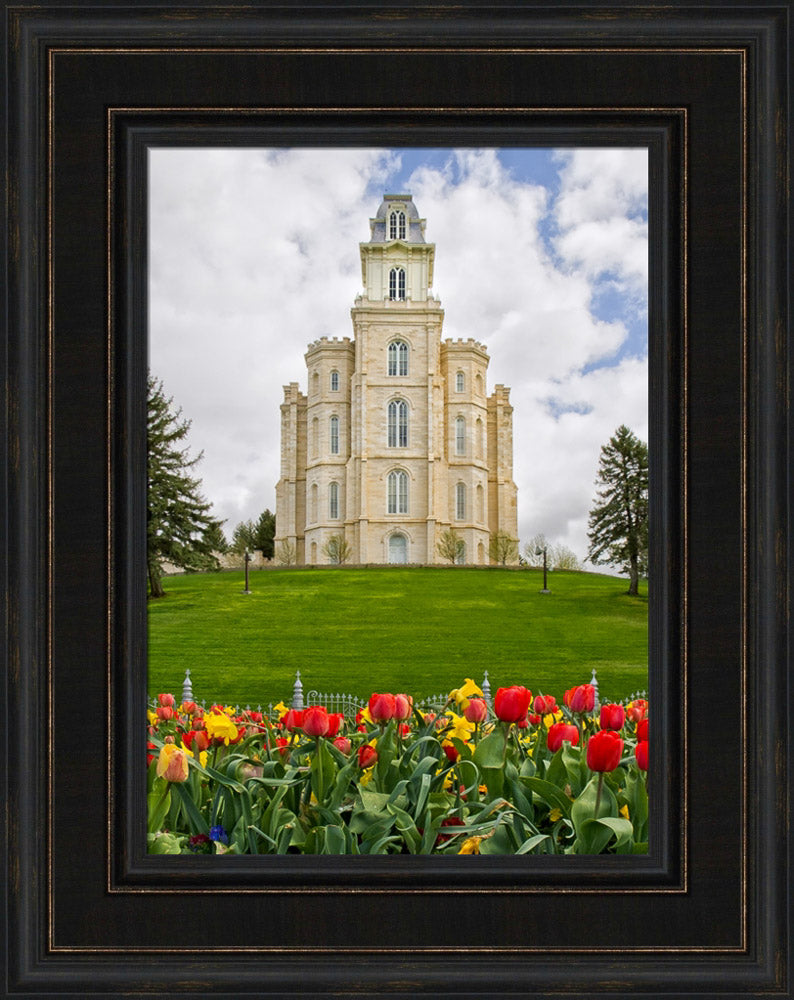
416 629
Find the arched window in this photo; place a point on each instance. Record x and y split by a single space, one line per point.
398 358
479 439
314 503
333 501
397 226
314 553
460 502
460 556
480 503
334 381
315 383
459 382
480 553
460 436
478 384
333 427
398 549
398 424
397 284
397 492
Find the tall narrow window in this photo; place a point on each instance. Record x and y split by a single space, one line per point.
460 436
315 437
334 433
334 381
479 439
398 424
314 503
460 502
459 382
397 226
460 556
398 358
397 284
397 492
480 503
333 501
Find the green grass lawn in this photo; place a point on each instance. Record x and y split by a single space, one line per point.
421 630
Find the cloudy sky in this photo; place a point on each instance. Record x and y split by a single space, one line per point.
540 254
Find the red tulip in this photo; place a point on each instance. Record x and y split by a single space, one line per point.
381 707
582 698
641 755
292 720
642 729
511 704
604 751
476 711
637 710
189 707
559 733
612 716
150 756
449 821
367 756
451 751
335 720
282 744
403 706
534 720
196 740
166 700
164 712
343 743
544 704
315 720
403 729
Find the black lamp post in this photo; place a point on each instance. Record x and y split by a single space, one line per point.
247 560
537 553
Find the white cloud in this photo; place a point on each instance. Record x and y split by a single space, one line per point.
254 253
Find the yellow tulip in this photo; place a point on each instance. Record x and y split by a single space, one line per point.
172 763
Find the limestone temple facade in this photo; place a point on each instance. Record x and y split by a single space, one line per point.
396 440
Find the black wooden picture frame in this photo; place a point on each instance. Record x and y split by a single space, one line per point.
91 88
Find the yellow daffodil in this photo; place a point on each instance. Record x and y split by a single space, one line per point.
230 710
461 727
220 726
463 694
280 709
624 812
151 716
366 717
555 814
470 846
551 718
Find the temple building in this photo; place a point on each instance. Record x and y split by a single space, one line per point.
396 440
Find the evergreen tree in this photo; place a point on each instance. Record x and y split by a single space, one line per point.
243 538
618 523
216 538
180 529
265 533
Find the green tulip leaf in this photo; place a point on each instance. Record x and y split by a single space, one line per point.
195 820
550 794
159 802
490 752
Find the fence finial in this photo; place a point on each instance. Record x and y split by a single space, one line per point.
486 689
187 687
297 692
594 682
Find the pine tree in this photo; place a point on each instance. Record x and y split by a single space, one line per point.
179 527
265 533
618 523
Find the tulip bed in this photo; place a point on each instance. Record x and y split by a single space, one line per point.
528 776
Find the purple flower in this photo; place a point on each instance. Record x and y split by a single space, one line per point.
219 834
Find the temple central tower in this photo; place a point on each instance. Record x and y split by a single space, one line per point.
396 440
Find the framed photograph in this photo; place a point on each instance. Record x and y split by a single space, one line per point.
99 98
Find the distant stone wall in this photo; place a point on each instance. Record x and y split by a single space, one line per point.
227 560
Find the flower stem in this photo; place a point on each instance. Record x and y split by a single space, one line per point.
598 792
